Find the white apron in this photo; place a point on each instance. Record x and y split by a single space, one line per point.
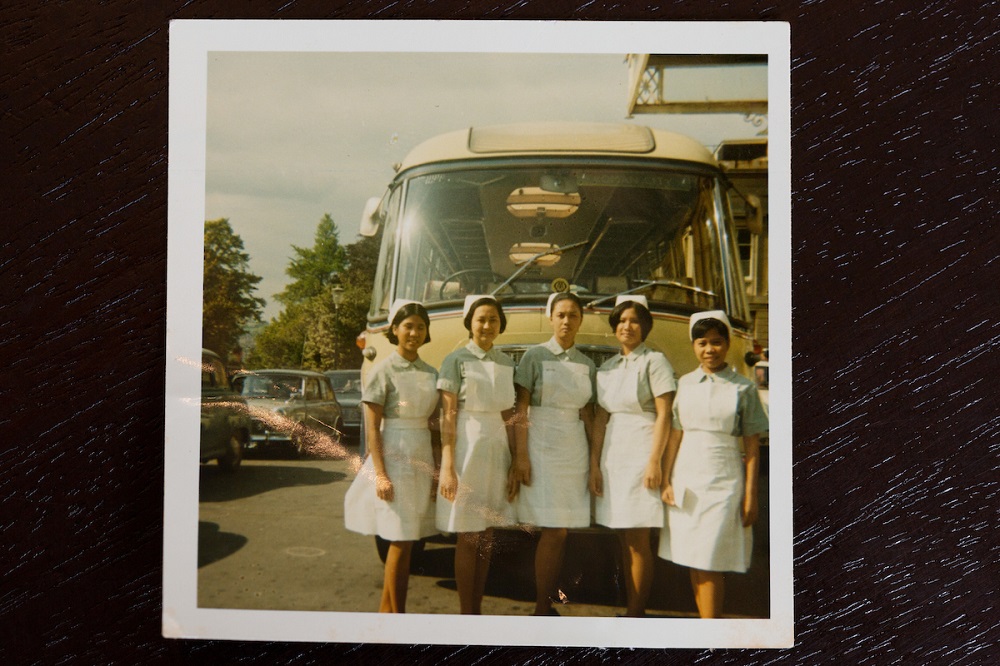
409 463
482 452
558 451
628 443
705 531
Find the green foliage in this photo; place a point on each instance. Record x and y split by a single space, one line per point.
280 343
315 269
326 305
333 343
333 327
228 303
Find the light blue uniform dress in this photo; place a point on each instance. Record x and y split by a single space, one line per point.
705 530
626 388
561 382
484 384
408 394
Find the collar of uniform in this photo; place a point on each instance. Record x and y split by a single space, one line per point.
724 374
620 358
476 350
399 361
636 353
553 346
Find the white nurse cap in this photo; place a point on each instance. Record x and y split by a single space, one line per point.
709 314
396 305
548 306
472 298
641 300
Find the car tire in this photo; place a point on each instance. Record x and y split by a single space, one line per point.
230 462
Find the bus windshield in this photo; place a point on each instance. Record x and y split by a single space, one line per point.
597 231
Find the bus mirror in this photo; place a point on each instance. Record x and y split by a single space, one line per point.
755 214
370 218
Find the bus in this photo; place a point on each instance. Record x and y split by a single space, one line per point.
521 211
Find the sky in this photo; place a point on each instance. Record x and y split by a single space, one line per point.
291 136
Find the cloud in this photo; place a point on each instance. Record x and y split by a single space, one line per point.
291 136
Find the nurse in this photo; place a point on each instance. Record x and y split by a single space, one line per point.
393 492
710 485
476 384
554 415
635 393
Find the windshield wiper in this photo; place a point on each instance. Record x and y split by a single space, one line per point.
652 283
530 261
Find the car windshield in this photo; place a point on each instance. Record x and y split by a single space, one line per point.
213 374
271 386
595 231
345 383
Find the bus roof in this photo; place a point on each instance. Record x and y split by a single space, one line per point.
558 138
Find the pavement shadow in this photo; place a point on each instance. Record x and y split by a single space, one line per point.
216 485
434 563
511 569
592 573
214 545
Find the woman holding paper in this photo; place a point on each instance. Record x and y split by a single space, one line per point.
710 484
635 391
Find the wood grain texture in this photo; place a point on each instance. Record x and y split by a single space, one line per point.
896 318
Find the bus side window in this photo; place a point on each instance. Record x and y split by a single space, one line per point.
387 258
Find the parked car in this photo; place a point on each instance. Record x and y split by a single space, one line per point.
761 372
292 408
225 425
347 385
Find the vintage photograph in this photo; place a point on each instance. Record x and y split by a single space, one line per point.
483 315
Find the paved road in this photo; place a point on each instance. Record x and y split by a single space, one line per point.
272 537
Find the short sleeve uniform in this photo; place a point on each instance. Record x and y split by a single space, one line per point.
484 384
627 386
561 382
705 530
408 395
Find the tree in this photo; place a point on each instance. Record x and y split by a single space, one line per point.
315 269
228 303
280 344
325 306
338 321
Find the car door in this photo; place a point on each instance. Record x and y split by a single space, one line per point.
331 407
317 406
215 427
299 411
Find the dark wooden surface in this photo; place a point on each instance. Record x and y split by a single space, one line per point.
896 322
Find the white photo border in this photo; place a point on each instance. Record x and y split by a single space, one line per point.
190 43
